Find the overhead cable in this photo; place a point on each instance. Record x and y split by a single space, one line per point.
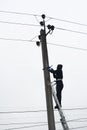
77 120
78 108
58 19
14 112
21 40
54 44
25 24
68 21
26 127
36 111
80 127
11 12
35 25
23 123
66 46
57 122
65 29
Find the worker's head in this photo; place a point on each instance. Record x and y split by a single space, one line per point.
59 66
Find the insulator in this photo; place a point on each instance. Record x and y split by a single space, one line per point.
43 16
52 27
49 26
38 43
41 23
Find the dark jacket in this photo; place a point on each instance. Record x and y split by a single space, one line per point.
57 74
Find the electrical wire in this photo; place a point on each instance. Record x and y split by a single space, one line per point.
34 25
26 123
77 120
39 124
70 47
57 122
78 108
21 40
68 21
24 40
19 13
65 29
59 45
37 111
26 127
25 24
14 112
23 123
63 20
80 127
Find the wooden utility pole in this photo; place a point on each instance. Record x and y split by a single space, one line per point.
48 90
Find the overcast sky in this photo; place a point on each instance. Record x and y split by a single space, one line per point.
21 70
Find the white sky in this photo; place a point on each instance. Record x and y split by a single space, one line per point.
21 74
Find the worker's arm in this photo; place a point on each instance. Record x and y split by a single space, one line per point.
50 69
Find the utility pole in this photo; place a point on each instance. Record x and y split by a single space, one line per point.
48 86
48 90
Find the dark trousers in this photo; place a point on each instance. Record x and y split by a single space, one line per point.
59 87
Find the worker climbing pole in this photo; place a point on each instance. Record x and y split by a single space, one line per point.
49 89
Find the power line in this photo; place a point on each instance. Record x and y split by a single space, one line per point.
69 30
68 21
57 122
37 111
24 123
26 127
70 47
64 29
77 120
59 45
25 24
80 127
21 40
63 20
14 112
78 108
19 13
40 123
35 25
